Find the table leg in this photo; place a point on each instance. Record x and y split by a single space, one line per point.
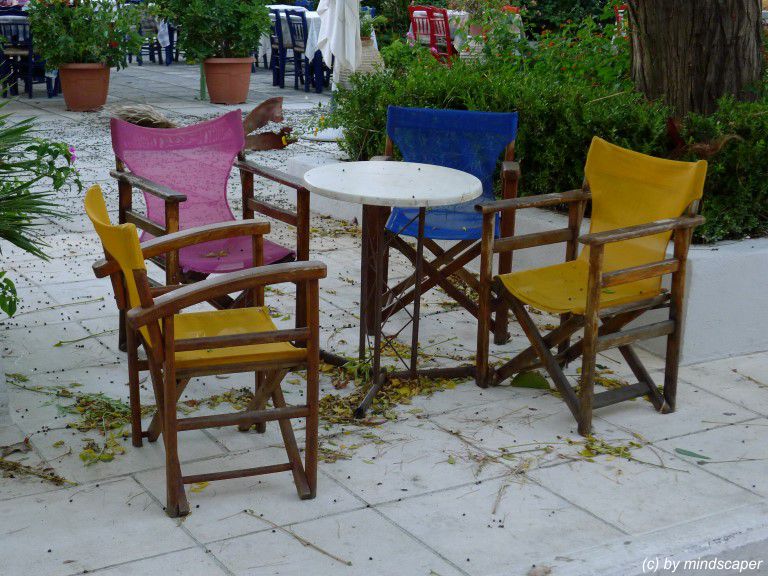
417 293
364 277
372 288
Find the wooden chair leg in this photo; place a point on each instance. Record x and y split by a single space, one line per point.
133 389
589 341
292 449
563 346
587 382
156 425
482 368
260 395
682 240
176 499
313 386
542 351
261 427
122 343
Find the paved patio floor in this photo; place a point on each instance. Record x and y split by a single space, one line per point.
460 482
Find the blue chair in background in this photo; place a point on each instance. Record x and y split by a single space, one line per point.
308 4
297 27
18 60
279 56
307 69
473 142
370 10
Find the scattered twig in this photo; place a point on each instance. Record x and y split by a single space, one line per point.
18 468
298 538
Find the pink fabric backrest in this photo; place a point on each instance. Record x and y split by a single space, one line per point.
194 160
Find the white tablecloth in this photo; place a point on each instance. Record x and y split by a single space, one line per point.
313 30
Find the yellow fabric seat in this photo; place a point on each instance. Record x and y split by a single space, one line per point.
563 288
227 323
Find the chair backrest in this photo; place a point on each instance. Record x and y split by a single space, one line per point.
15 31
120 242
441 31
461 139
276 29
194 160
12 10
629 188
297 26
420 24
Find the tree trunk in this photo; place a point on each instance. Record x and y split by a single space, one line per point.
690 53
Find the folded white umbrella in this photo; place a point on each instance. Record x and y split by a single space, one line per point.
340 34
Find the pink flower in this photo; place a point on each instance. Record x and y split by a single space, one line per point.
72 155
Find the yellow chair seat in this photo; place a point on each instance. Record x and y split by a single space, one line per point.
226 323
563 288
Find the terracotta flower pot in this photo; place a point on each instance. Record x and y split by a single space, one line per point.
228 79
85 86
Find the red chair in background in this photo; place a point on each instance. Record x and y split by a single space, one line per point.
421 28
429 27
442 45
622 18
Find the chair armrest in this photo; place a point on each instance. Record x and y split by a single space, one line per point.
200 234
271 174
381 158
205 290
189 237
162 192
538 201
631 232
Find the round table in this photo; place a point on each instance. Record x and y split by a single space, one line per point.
380 186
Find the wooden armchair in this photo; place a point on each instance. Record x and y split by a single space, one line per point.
464 140
180 346
639 203
183 174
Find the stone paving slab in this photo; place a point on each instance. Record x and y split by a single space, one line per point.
460 482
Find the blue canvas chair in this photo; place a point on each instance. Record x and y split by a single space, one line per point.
474 142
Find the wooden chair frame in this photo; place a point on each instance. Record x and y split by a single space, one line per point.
451 262
158 307
603 328
268 111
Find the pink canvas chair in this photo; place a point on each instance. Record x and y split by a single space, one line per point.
183 173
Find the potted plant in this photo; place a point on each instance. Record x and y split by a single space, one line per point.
84 40
221 34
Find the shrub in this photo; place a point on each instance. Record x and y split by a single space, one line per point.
218 28
88 32
32 172
551 14
561 108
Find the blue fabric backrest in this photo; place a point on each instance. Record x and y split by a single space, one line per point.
464 140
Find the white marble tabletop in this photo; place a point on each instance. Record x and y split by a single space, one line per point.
401 184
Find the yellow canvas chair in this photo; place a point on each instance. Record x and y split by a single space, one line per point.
639 203
180 346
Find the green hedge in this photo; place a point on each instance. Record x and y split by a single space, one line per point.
560 111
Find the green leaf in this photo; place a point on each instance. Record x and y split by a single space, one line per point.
530 380
451 459
684 452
